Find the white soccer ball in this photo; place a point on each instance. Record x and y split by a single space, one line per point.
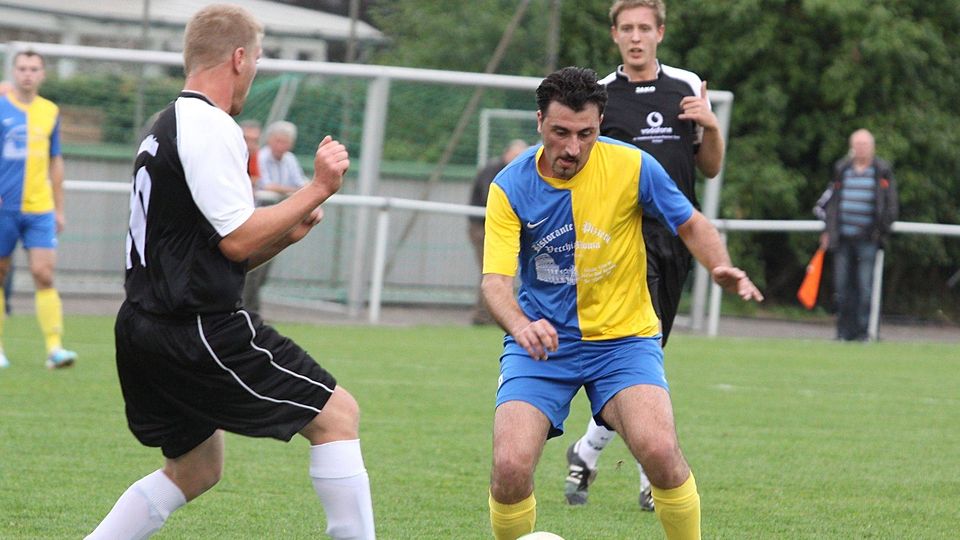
541 535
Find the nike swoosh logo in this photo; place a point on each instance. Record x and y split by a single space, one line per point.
535 225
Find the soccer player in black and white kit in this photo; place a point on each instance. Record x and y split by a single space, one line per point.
664 111
192 362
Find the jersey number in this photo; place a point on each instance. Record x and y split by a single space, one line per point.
139 205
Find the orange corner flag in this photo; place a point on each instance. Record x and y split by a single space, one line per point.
810 288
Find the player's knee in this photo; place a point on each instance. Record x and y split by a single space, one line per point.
512 478
42 277
346 409
195 481
664 465
662 455
339 420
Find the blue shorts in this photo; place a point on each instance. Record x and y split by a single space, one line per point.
603 368
36 230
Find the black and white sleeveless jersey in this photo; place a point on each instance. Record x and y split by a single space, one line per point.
190 189
645 114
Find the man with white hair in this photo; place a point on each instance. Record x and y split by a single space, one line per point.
280 171
280 175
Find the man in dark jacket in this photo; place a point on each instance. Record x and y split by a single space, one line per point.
478 197
859 207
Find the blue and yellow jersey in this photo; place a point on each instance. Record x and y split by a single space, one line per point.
30 136
578 242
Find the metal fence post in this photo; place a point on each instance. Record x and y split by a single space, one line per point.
723 102
374 123
379 262
716 296
876 296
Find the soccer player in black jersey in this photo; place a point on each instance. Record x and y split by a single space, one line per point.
664 111
192 361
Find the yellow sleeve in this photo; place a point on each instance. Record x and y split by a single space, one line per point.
501 241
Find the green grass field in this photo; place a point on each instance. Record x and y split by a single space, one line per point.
788 439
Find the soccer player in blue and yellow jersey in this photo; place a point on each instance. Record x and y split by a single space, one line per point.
31 195
567 215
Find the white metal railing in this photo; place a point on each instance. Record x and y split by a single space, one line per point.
374 123
762 225
386 205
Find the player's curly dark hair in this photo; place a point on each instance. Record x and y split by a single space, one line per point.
572 87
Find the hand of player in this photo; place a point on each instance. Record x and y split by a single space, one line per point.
733 279
539 338
301 229
61 221
698 109
330 164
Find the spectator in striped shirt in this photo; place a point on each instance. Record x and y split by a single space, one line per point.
859 207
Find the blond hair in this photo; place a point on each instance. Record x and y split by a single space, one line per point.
657 6
214 32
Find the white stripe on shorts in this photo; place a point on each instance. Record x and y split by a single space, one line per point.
253 334
237 378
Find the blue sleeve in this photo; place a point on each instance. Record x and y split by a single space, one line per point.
659 195
55 139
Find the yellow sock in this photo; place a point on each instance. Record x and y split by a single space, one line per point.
679 510
511 521
50 316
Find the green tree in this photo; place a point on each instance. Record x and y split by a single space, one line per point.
460 34
805 74
456 35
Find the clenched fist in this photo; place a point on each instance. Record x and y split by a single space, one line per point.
329 164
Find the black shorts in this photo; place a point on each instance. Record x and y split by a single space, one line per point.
184 379
668 264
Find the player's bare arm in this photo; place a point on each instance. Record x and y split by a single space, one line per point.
56 183
538 338
709 157
704 242
270 229
278 188
292 236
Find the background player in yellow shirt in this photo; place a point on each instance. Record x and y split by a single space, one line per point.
31 196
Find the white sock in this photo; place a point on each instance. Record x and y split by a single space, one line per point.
141 510
644 481
341 482
593 442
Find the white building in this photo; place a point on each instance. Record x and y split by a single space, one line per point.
290 32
